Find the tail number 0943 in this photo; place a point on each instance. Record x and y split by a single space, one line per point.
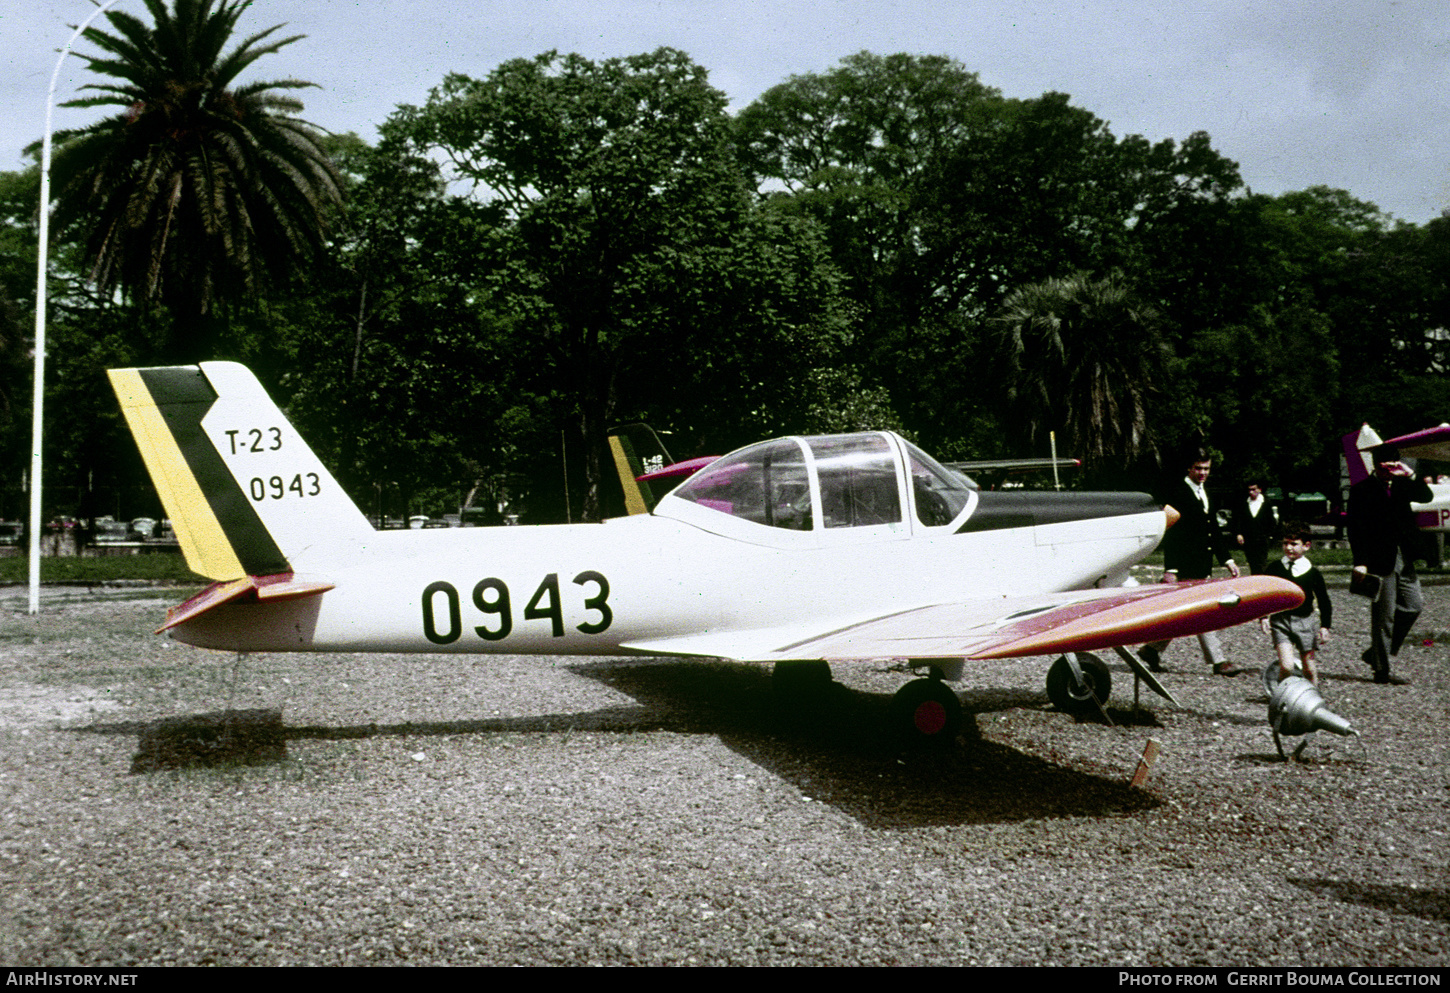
491 598
304 484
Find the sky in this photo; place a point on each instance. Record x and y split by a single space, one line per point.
1353 94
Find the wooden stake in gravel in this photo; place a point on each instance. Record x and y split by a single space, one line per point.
1145 764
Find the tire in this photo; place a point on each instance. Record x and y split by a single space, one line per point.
1065 692
926 711
799 683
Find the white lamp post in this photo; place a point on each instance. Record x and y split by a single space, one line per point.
40 301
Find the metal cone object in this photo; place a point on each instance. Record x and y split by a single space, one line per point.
1297 708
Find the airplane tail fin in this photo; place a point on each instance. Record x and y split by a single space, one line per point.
245 494
1358 457
637 451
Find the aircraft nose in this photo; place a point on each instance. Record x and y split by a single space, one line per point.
1171 515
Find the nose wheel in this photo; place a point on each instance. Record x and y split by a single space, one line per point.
1085 695
926 711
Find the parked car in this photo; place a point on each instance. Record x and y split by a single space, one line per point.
109 532
12 532
143 529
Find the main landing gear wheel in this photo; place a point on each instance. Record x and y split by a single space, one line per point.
926 711
798 683
1067 694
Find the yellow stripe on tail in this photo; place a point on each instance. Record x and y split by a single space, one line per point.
203 540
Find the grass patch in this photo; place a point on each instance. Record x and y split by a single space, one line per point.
156 567
1320 556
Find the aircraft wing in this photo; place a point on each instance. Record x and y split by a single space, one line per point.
971 470
1008 627
1014 465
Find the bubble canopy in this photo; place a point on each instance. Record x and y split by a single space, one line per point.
828 482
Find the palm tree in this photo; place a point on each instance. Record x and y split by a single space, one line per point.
1080 357
201 192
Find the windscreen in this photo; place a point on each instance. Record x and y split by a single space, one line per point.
940 493
765 483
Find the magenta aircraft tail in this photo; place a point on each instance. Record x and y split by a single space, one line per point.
1358 457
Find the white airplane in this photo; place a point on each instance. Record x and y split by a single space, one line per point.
798 552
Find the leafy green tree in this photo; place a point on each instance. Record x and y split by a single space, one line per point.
1379 288
1040 194
202 190
1082 357
941 197
92 465
18 195
628 253
1297 318
843 404
1049 191
873 121
1263 392
858 149
14 403
388 362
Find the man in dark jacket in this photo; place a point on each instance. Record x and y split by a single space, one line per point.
1253 526
1191 547
1382 533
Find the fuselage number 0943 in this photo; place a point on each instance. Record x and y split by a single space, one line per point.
491 598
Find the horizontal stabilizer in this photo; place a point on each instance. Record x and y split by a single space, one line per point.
678 471
1431 443
258 589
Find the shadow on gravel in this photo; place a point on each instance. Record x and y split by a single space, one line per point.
840 749
244 737
987 701
1431 904
224 737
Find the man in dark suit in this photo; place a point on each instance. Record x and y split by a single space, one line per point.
1382 536
1253 526
1190 549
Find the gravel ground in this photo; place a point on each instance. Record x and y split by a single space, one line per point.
442 810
